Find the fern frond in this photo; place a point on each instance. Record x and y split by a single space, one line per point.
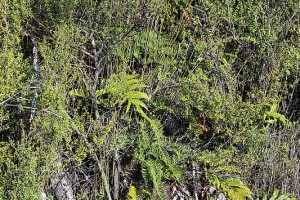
128 106
137 103
125 88
136 86
136 95
156 173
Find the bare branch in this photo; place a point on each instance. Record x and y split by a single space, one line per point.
13 96
37 77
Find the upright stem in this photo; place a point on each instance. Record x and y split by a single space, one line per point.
37 77
194 181
117 175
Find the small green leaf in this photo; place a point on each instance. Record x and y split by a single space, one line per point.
136 95
138 102
275 194
214 180
132 193
128 106
143 114
284 196
136 86
98 93
78 93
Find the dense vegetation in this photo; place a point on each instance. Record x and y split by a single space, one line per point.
149 99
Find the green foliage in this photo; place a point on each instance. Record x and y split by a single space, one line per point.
124 88
21 179
134 83
159 159
233 188
276 196
49 13
271 115
79 93
13 67
132 193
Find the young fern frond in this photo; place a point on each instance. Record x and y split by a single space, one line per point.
125 88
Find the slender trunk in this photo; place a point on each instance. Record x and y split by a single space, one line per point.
117 175
92 89
36 86
194 181
37 77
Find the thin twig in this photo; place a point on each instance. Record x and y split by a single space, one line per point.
13 96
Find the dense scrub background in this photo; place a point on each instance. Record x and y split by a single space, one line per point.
149 99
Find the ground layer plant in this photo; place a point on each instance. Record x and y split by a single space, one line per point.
149 99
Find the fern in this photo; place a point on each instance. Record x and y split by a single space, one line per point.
271 115
151 168
156 173
125 88
159 158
